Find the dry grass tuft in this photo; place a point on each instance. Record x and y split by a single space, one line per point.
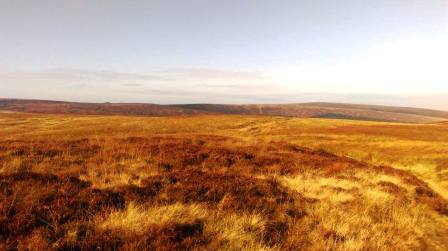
136 218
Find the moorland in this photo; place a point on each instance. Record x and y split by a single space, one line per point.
221 182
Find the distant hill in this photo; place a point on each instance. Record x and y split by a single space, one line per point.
59 107
304 110
330 110
408 110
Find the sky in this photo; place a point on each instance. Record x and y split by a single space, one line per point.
391 52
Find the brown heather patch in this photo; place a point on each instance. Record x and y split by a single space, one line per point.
229 191
432 199
32 201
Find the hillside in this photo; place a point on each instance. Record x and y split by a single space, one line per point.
305 110
59 107
406 110
329 110
70 182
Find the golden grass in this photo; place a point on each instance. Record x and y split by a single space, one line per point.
230 231
137 218
359 214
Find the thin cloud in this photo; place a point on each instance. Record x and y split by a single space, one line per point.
167 74
132 85
221 85
77 74
244 86
203 73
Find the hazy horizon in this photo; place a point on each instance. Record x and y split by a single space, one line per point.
171 52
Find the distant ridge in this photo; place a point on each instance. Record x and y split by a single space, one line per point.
61 107
409 110
329 110
302 110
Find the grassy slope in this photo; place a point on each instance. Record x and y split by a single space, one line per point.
222 182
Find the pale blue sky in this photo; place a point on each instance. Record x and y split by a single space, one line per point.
229 51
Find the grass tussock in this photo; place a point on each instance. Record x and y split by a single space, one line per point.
217 228
136 218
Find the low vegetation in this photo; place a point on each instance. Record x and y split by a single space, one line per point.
220 183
